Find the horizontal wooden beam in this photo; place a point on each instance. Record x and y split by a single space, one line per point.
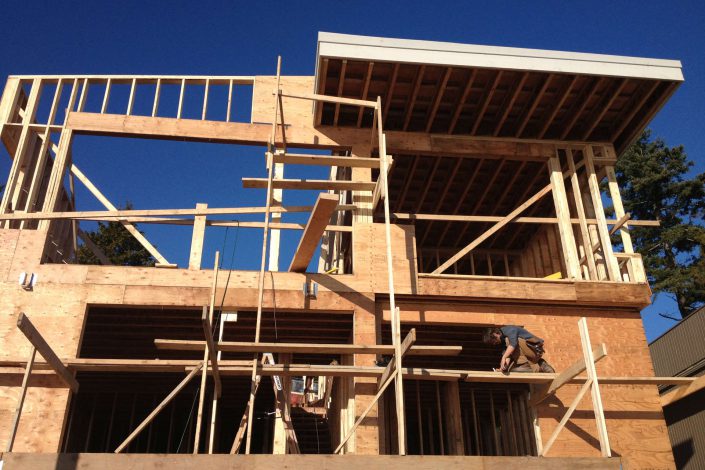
310 348
316 225
331 99
326 160
123 214
696 384
327 137
525 220
325 185
28 329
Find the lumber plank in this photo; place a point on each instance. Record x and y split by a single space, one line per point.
567 375
331 99
574 404
316 225
492 230
303 348
208 333
309 184
683 391
409 340
326 160
108 205
34 337
197 236
594 389
158 409
20 400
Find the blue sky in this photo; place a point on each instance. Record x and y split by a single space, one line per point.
244 38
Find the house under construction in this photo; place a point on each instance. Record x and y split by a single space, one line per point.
468 188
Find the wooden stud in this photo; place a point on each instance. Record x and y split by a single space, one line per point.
595 389
158 409
181 98
418 417
211 350
439 414
205 100
157 91
584 231
20 400
475 424
610 260
131 99
230 101
570 252
34 337
197 238
618 209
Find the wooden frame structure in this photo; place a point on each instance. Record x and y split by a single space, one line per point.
418 252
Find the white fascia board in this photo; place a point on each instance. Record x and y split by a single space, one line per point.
376 49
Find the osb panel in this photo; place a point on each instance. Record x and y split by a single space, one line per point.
296 111
275 462
635 422
370 257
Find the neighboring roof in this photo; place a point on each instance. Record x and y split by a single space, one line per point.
681 350
493 91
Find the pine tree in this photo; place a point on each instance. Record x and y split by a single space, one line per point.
118 245
655 185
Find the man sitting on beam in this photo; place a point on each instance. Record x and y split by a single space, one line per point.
523 350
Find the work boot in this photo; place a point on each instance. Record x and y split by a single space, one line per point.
546 367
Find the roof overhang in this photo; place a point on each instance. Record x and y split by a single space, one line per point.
496 91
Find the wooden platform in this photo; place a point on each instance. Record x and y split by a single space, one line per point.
14 461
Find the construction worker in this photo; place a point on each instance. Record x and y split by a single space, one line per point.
523 350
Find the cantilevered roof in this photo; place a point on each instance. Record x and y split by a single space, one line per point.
475 90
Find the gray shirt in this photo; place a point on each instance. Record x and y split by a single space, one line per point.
515 332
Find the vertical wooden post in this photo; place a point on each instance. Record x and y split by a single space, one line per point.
280 441
230 100
181 98
275 233
260 279
476 427
439 413
157 91
595 388
565 228
610 260
418 417
454 424
584 232
199 228
494 425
